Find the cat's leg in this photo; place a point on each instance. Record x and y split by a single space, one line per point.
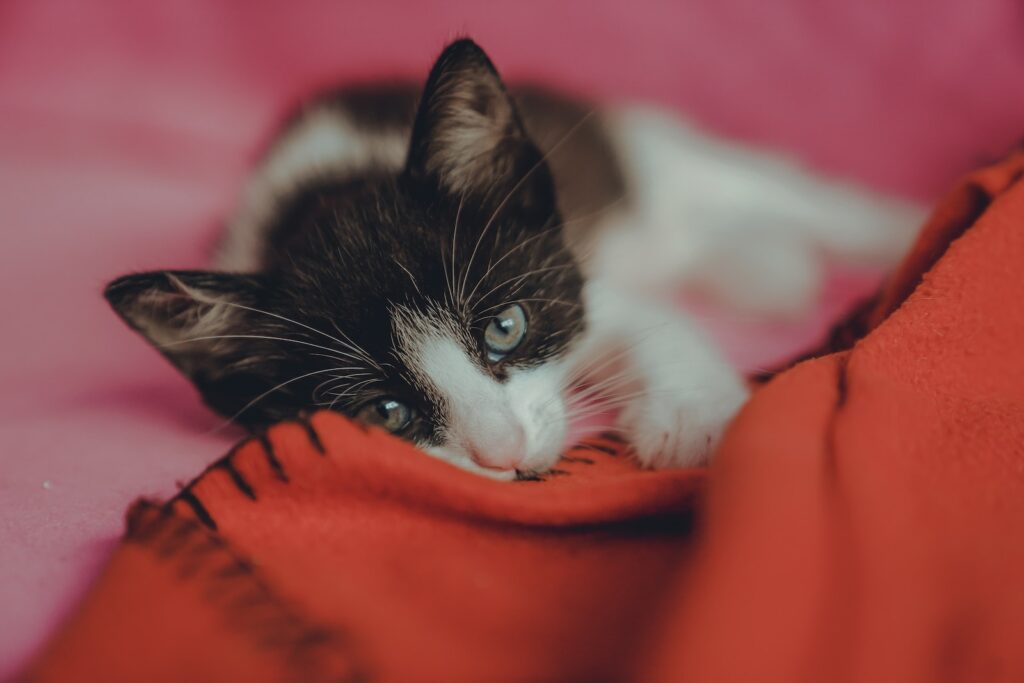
676 392
746 226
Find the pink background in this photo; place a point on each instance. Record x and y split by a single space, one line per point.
125 132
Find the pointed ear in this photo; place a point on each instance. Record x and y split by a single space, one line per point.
207 325
187 314
468 139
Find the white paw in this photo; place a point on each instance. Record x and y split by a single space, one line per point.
667 431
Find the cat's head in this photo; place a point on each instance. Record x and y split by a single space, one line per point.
438 303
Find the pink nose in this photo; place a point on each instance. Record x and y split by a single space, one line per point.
502 452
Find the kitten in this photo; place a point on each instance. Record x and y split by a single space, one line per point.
441 263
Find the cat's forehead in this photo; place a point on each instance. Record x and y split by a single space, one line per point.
384 247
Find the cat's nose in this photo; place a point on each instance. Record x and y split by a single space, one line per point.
503 452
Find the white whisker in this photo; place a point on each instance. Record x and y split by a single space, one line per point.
342 356
571 304
199 296
266 393
515 188
245 336
337 379
356 348
524 276
508 253
455 235
348 392
413 279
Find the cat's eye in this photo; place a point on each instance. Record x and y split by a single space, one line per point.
386 413
505 332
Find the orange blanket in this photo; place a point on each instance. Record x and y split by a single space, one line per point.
864 522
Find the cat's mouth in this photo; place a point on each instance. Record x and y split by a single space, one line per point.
463 461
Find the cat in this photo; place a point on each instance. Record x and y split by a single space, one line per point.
455 264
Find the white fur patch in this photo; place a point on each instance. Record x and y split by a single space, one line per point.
502 426
677 394
747 226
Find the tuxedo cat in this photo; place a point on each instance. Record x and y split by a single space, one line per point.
471 268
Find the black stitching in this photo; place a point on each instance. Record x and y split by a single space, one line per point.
557 472
194 558
248 599
195 555
572 458
316 636
275 464
145 529
175 541
308 647
219 462
240 567
274 632
607 450
202 514
312 434
237 477
612 436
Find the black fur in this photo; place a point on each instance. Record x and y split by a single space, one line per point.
344 253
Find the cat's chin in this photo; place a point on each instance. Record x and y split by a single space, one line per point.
497 475
465 463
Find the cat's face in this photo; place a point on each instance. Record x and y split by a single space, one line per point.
438 304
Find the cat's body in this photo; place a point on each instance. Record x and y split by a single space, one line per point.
647 200
456 288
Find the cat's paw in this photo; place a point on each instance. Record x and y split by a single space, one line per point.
666 431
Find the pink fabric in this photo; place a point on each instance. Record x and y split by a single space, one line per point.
125 130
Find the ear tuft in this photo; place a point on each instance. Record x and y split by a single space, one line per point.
467 138
181 312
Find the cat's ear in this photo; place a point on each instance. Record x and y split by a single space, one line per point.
215 327
468 139
193 317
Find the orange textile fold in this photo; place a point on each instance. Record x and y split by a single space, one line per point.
867 513
862 522
326 552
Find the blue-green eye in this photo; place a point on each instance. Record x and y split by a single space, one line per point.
505 332
387 413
